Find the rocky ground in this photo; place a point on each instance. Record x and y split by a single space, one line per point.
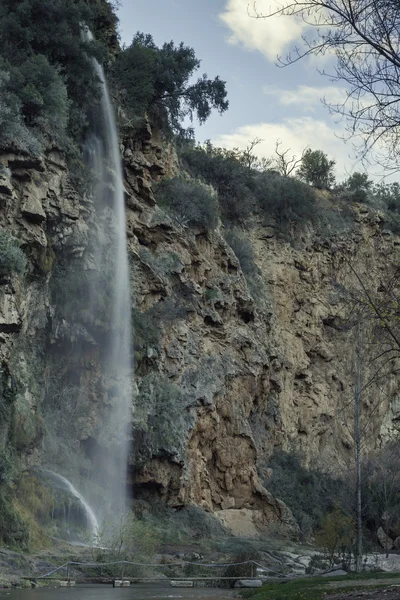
390 593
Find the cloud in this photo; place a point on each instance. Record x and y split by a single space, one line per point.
296 134
307 97
270 36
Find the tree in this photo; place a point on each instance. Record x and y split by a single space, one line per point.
358 181
382 489
357 187
363 36
158 81
284 164
45 60
316 169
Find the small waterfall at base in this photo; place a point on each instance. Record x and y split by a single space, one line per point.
64 484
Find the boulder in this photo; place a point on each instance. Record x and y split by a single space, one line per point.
248 583
385 541
181 584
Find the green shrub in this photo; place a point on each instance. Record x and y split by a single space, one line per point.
388 195
14 530
336 537
130 539
225 171
243 251
148 327
287 200
14 133
243 191
309 493
163 427
189 202
12 258
184 525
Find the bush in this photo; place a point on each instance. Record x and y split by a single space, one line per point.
308 493
189 202
288 201
243 191
14 133
129 539
243 251
162 428
336 537
225 171
183 525
12 258
388 195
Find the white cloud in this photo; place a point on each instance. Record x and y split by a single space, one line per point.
270 36
307 97
296 134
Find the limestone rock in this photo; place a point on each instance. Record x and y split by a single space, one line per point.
10 317
243 523
32 207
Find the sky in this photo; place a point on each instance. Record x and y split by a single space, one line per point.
266 101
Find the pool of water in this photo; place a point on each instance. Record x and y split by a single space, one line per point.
105 592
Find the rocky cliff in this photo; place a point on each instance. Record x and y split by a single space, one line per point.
223 376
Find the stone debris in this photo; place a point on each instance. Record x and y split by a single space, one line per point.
181 584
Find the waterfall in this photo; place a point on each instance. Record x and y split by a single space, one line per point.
64 484
111 264
99 377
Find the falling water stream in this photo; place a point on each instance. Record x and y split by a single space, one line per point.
112 257
64 484
105 492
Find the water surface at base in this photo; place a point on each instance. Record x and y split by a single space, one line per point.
135 592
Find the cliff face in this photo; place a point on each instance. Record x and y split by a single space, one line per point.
222 378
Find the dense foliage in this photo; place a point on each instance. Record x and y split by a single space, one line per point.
243 191
310 494
158 81
47 84
191 203
316 169
12 258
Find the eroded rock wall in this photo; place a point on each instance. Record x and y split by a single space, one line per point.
222 378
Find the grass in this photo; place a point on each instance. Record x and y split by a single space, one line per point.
315 588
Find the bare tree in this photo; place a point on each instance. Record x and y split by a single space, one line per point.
250 160
285 163
364 37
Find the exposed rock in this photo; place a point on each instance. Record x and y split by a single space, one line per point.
396 543
10 317
385 541
248 583
32 207
244 522
244 375
181 584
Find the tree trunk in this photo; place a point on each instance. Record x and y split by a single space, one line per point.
357 438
